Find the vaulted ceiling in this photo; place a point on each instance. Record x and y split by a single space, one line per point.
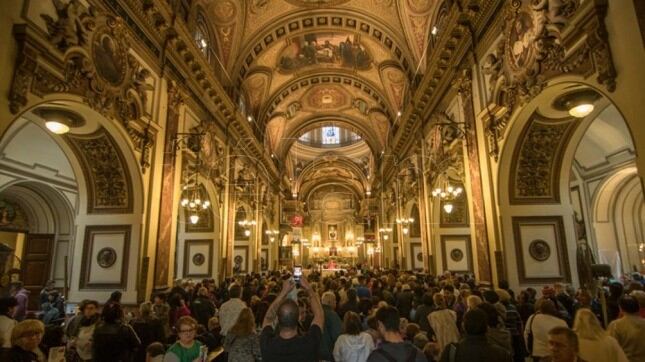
303 64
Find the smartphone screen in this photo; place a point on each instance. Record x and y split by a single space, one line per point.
297 273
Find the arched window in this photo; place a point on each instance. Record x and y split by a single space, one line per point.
202 36
330 135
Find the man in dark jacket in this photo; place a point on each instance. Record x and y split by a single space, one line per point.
475 347
332 328
113 340
404 300
202 308
393 348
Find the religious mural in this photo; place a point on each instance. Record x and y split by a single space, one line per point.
333 49
12 217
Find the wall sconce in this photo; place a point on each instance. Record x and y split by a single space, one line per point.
272 234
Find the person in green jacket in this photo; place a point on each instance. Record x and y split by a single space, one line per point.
186 349
332 327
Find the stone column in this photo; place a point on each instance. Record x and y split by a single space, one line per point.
424 214
167 204
478 217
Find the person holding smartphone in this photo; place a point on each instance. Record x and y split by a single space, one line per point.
284 344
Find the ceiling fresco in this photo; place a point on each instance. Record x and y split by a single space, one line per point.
324 50
303 64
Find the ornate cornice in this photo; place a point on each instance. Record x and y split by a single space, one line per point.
198 75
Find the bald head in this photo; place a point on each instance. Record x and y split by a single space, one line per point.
288 314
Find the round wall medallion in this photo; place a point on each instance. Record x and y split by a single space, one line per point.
420 256
539 250
199 259
109 58
106 257
238 259
456 254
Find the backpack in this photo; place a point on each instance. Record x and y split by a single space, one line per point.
412 355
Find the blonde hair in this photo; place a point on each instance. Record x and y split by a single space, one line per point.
25 328
586 325
245 324
328 299
439 300
213 323
145 309
473 301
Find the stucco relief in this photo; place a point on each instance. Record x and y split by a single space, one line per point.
395 85
110 188
325 98
534 49
416 16
537 160
93 62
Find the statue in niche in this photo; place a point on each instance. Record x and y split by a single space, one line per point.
360 104
581 231
292 109
244 182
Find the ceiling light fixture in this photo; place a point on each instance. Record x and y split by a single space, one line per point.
578 103
581 110
434 31
59 121
57 127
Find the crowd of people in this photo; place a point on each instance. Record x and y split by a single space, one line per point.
351 316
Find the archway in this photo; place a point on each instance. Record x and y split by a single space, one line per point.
544 192
91 180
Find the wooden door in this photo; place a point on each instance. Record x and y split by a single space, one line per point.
35 265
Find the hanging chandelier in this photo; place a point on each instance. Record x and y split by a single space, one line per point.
193 201
194 204
447 193
405 224
247 225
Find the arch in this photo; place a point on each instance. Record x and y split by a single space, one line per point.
319 120
310 188
324 77
87 221
556 209
324 161
302 21
617 216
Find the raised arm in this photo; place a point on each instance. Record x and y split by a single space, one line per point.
314 301
272 312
